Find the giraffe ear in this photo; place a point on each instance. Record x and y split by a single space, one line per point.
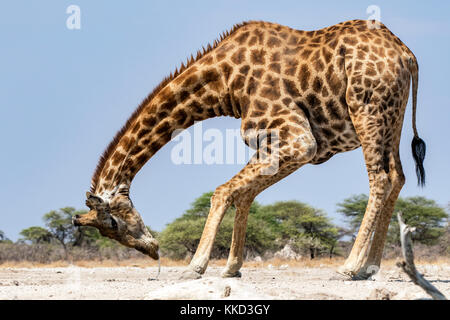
92 200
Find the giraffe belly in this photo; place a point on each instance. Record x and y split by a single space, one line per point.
330 124
331 141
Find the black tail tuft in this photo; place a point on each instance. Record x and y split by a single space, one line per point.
418 150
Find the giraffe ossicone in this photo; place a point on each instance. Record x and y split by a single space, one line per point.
324 91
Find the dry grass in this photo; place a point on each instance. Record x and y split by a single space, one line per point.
437 261
165 262
302 263
140 263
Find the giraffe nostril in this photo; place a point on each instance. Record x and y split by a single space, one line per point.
77 216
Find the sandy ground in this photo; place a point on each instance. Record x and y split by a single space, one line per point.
283 282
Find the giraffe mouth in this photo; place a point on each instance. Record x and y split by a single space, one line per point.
146 245
149 250
151 253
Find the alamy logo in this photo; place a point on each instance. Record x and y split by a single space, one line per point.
211 146
374 18
73 22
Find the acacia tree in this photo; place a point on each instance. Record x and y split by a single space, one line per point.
305 227
268 228
3 238
36 235
59 224
182 236
424 214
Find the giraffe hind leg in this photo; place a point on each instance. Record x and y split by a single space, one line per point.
380 188
379 133
376 249
397 179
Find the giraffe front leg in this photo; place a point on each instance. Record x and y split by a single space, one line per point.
220 202
275 159
253 179
252 182
235 259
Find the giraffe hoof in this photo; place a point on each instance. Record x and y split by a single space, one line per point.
229 274
362 276
190 275
344 273
340 277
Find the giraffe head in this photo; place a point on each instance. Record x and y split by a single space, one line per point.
117 219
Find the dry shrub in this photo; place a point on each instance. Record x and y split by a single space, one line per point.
18 255
41 253
50 253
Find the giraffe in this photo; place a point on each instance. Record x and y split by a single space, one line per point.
322 92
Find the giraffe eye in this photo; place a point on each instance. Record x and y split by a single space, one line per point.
113 223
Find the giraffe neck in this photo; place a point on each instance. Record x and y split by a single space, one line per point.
198 93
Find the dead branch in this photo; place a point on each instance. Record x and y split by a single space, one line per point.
408 265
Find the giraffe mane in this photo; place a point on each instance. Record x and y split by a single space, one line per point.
190 61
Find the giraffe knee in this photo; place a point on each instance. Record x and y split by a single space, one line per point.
399 180
304 148
383 183
243 201
227 195
222 194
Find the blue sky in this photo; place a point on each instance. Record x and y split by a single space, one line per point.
64 93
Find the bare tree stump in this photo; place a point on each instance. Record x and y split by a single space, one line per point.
408 265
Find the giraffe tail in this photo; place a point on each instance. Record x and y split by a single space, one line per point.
417 145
